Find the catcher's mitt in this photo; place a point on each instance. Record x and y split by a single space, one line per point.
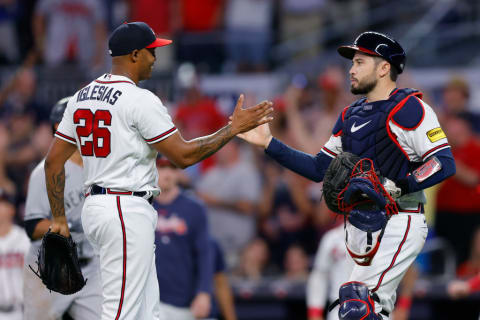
58 265
337 177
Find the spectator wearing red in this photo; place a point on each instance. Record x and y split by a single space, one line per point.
204 15
164 17
200 40
198 114
458 199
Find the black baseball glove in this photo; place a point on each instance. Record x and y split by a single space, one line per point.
58 265
337 177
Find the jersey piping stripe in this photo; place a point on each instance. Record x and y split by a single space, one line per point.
434 149
395 256
161 135
64 136
118 81
387 125
330 152
124 275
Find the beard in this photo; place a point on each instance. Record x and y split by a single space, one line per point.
365 86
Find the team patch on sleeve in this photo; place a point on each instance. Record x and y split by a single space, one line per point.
427 170
435 134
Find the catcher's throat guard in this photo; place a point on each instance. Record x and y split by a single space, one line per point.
367 206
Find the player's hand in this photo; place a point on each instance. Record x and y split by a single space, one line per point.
60 225
259 136
200 306
390 186
243 119
458 289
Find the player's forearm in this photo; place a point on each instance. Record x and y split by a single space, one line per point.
40 229
55 180
419 181
311 167
203 147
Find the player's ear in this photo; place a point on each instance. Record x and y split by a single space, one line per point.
135 55
384 69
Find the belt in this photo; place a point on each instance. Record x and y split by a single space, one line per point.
95 190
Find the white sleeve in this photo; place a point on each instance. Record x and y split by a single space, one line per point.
66 128
333 147
423 141
317 285
37 205
152 119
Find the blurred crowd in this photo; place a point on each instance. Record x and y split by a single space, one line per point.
268 220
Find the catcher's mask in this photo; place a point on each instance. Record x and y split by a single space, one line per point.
368 206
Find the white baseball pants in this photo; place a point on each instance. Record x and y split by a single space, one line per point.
122 230
402 241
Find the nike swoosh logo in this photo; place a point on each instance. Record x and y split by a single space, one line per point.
343 315
355 129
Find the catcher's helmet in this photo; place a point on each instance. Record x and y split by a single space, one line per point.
377 44
56 114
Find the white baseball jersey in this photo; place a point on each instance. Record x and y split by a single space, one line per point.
331 268
13 248
112 121
418 144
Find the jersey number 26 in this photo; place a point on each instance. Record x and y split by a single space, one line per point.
94 140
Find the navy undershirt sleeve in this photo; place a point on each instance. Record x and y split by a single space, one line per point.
30 226
445 156
311 167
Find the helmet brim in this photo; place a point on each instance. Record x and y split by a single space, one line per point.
349 51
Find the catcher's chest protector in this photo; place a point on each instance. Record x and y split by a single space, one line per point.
365 133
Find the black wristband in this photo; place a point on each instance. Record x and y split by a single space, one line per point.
403 185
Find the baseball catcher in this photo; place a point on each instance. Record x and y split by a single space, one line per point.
58 265
395 130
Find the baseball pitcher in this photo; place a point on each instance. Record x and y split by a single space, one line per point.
119 128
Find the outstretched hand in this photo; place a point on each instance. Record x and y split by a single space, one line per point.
259 136
245 119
